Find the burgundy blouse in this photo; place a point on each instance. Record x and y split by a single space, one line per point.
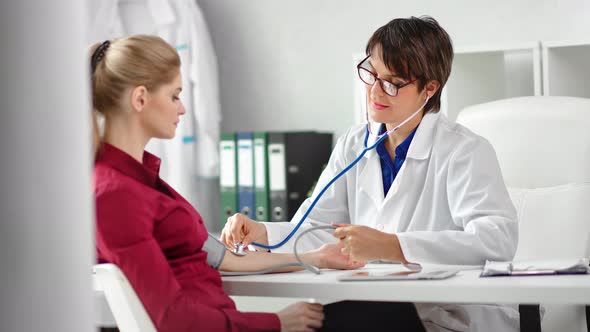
156 237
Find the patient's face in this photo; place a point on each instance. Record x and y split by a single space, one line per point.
163 109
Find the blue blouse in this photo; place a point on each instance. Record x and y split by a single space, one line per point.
390 168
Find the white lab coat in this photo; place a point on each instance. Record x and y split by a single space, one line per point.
178 154
182 24
448 205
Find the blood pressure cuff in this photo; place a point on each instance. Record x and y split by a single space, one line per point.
215 251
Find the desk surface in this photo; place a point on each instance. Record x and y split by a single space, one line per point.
465 287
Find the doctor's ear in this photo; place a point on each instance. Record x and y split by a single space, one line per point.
431 87
139 96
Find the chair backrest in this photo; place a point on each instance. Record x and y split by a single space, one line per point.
543 147
127 309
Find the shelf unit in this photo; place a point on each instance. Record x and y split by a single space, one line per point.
565 68
490 72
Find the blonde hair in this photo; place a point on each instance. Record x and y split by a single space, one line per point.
126 63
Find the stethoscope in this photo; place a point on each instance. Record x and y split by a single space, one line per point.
239 248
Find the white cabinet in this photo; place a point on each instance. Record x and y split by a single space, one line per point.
486 73
566 69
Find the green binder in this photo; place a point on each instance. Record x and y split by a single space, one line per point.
261 177
227 176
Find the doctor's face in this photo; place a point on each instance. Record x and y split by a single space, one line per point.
163 112
382 106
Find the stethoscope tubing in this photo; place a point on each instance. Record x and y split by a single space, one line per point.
380 139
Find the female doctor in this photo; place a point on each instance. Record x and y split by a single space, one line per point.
431 192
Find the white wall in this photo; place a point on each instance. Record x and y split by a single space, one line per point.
287 65
46 218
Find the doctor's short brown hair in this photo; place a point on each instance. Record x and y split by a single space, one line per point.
415 47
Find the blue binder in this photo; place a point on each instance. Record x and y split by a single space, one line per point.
245 166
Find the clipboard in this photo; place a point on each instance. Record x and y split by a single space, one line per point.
397 275
536 268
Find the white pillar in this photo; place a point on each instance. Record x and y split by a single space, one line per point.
46 218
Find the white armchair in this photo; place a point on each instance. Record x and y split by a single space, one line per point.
543 147
127 309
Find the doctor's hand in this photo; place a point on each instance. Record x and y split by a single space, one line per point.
364 243
330 256
240 228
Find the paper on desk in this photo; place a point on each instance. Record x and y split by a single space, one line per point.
536 267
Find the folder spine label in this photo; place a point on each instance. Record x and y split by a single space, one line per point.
261 177
245 174
276 159
277 177
227 176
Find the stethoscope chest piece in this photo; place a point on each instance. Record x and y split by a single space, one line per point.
239 249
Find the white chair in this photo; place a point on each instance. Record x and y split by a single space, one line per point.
543 147
127 309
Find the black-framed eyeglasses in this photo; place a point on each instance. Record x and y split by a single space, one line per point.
369 78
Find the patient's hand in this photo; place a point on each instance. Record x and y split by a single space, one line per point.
329 256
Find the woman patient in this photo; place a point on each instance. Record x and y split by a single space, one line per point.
145 227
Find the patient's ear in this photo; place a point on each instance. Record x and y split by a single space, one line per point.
139 96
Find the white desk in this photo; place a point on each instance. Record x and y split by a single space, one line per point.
465 287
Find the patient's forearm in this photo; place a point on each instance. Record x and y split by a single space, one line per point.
256 261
